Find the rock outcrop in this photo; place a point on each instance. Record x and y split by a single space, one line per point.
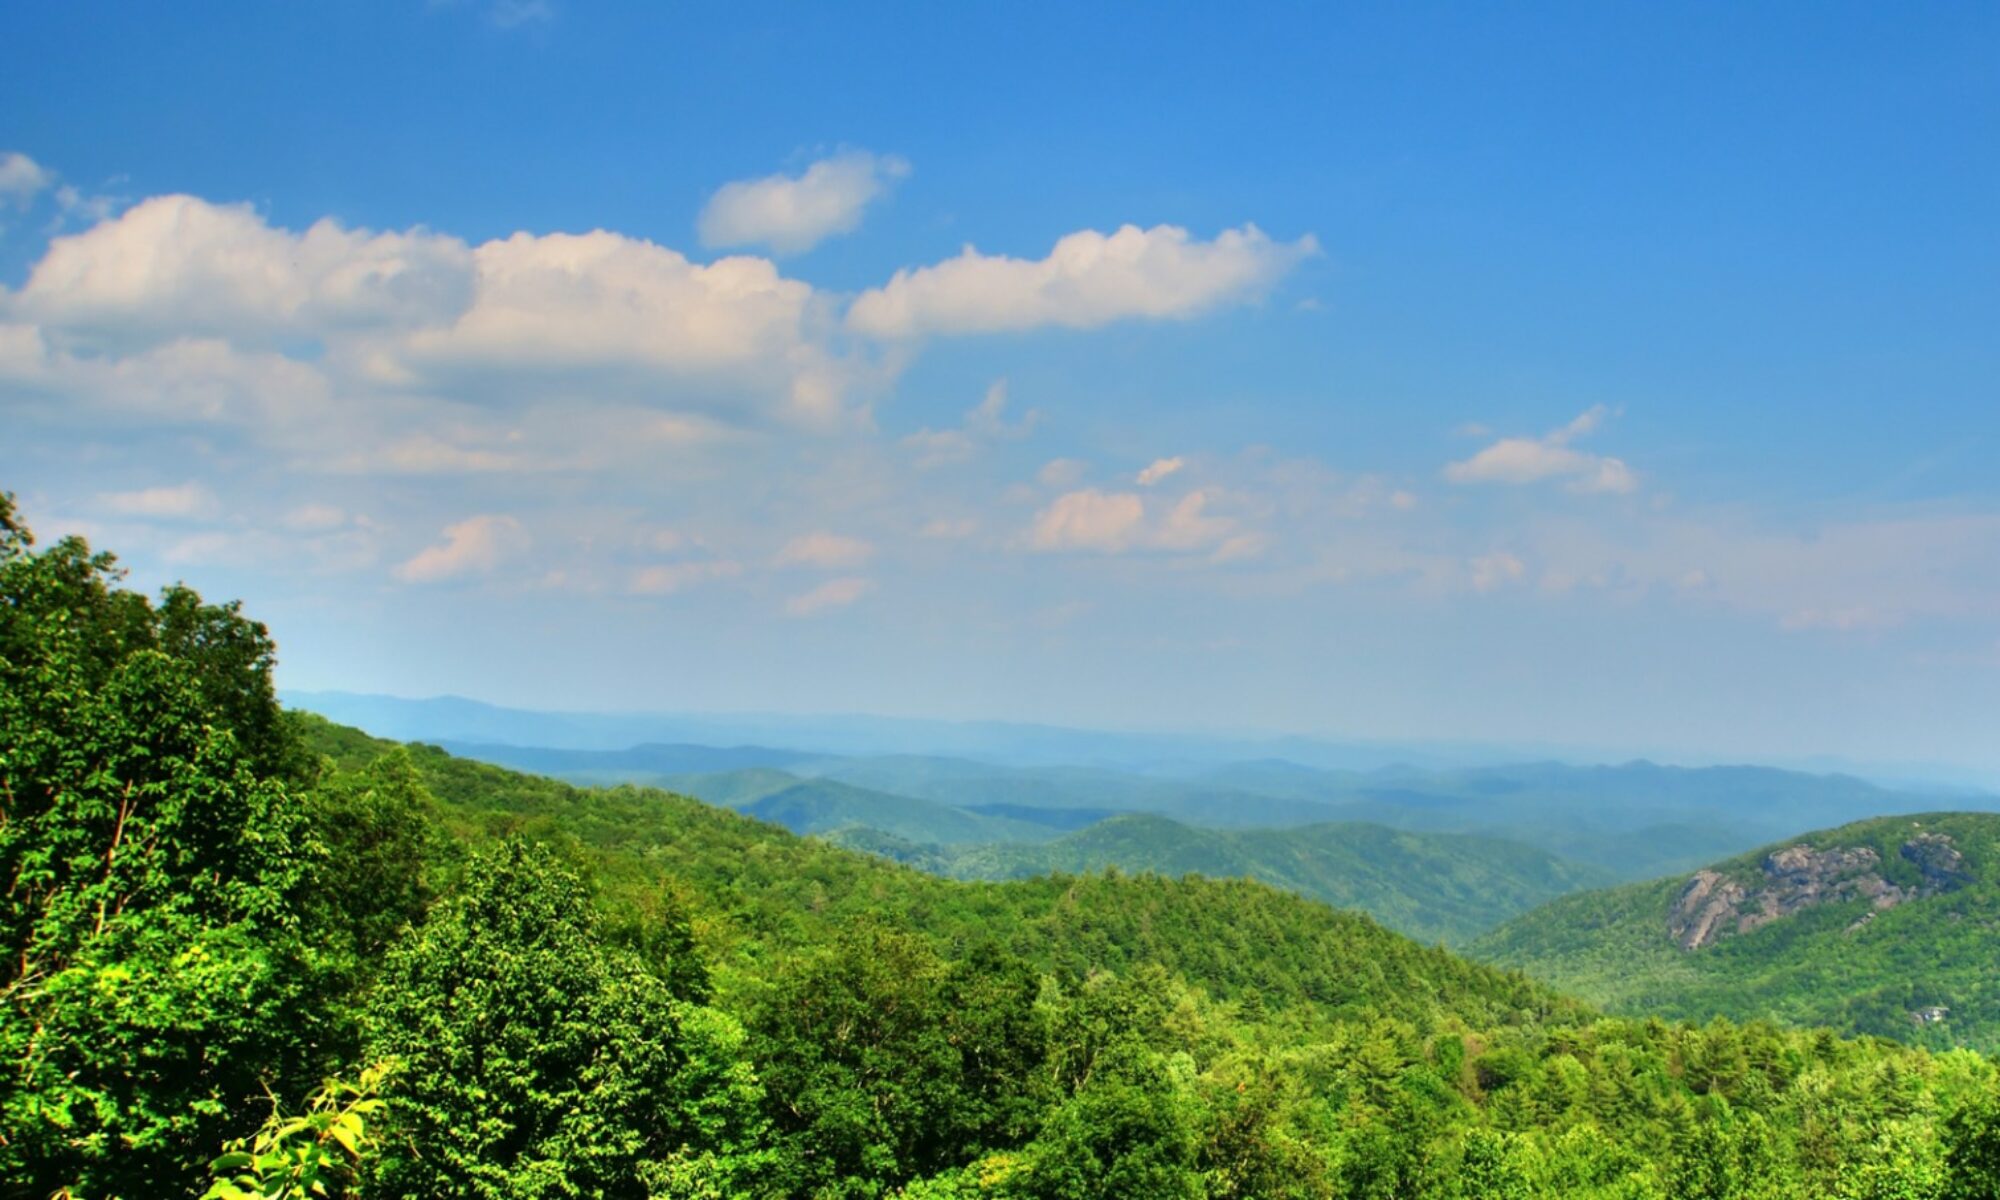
1713 906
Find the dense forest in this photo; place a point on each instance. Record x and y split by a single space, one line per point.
1435 887
253 953
1884 927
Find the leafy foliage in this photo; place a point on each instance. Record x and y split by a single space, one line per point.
539 1061
153 856
294 1158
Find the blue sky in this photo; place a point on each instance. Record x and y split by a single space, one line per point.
1613 377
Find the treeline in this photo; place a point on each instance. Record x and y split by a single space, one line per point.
522 989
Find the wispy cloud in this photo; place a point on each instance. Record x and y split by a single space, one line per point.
22 178
984 422
1524 460
793 213
834 593
827 551
473 546
164 503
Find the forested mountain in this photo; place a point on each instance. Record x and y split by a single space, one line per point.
1431 886
1888 927
260 951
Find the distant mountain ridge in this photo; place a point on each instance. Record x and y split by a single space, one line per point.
1635 820
457 719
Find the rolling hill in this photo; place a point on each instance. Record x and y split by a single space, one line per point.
1433 887
1888 926
755 891
1636 820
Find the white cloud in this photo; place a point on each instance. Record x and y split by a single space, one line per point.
793 214
1524 460
834 593
1089 279
475 545
190 380
165 503
554 317
1089 520
827 551
177 266
1116 522
1189 526
22 179
1496 570
1160 469
667 578
565 306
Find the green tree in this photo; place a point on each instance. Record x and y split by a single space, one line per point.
538 1061
151 984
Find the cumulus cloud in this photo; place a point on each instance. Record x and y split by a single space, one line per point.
1089 279
547 317
826 551
1524 460
1160 469
177 267
599 301
792 214
22 178
834 593
163 503
356 350
473 546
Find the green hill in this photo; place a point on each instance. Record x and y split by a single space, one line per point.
1888 927
1432 886
755 890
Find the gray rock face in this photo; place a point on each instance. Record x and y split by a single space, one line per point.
1943 866
1713 906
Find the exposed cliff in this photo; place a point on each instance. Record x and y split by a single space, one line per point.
1713 905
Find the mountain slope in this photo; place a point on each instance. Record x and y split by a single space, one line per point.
1433 887
754 890
1889 927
